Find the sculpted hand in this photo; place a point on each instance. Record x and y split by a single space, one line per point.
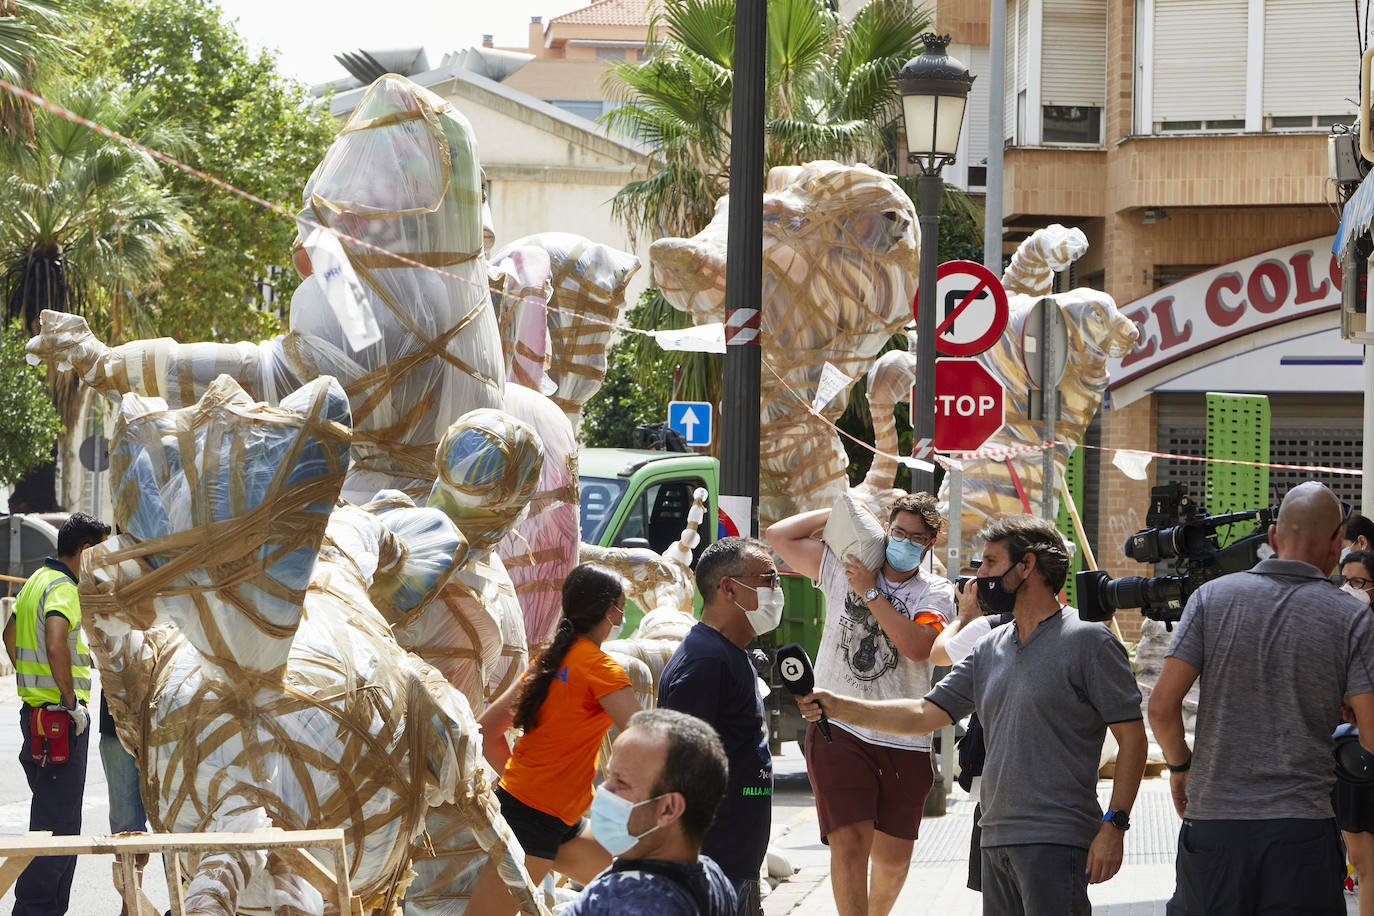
65 341
1105 854
860 578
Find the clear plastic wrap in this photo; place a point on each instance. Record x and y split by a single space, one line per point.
349 730
541 549
588 282
402 175
839 274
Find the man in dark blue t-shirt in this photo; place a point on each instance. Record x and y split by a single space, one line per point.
711 677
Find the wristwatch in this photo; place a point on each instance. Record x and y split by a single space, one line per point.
1121 820
1182 767
871 595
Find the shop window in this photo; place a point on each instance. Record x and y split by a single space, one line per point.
1072 124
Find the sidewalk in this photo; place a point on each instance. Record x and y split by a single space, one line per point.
939 866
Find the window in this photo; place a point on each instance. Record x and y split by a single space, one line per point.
610 53
1199 64
1072 124
584 108
1305 71
660 515
1211 124
597 499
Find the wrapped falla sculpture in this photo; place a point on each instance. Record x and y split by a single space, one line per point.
243 626
840 260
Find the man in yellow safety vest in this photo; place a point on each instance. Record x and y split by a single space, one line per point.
53 672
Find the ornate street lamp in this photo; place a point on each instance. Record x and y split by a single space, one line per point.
934 89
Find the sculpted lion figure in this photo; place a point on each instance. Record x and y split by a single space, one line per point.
840 247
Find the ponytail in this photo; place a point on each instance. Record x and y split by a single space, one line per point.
588 593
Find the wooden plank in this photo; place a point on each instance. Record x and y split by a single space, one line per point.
39 844
171 864
10 871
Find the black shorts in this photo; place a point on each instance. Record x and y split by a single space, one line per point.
1283 865
540 834
1354 807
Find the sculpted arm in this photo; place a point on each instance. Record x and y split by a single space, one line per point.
176 372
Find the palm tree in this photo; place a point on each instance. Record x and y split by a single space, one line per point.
830 92
30 42
85 222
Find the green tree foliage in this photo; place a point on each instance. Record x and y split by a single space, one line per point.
830 93
32 45
29 424
254 128
641 378
86 224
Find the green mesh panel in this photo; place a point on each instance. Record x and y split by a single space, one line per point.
1238 428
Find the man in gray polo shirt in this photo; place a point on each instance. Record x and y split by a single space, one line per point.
1046 688
1276 648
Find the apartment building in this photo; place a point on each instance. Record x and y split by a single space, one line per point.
1188 140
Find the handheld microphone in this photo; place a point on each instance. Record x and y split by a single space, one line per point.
798 677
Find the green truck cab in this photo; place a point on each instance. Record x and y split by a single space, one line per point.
639 498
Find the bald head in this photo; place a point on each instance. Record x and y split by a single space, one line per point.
1309 526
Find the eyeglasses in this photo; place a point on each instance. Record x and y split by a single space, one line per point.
1359 582
772 578
920 540
1347 510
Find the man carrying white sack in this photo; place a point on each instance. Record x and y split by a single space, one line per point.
881 620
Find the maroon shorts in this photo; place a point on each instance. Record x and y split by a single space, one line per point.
855 781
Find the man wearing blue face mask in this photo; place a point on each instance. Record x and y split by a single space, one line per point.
711 677
663 783
870 784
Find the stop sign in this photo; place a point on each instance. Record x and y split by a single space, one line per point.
968 405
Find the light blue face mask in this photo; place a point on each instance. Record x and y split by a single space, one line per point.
904 555
610 817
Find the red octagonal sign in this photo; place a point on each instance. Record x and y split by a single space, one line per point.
969 406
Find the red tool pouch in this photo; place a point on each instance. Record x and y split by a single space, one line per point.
48 730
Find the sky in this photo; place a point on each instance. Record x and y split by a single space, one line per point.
308 34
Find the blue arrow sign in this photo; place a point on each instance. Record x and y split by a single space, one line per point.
692 419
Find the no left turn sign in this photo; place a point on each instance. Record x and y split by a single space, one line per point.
970 308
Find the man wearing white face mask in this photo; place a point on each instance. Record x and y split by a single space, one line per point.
663 783
880 624
711 677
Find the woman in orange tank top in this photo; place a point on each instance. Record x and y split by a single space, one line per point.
569 697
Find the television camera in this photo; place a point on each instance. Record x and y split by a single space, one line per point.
1182 532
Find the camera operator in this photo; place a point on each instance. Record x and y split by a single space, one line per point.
1354 804
1276 648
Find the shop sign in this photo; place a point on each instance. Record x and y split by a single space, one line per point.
1228 301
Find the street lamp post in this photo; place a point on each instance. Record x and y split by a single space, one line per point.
934 89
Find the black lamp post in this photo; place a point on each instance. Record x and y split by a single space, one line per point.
934 89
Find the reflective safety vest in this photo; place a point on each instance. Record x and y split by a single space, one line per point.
48 590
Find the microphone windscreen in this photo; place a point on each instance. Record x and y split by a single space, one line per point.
794 667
